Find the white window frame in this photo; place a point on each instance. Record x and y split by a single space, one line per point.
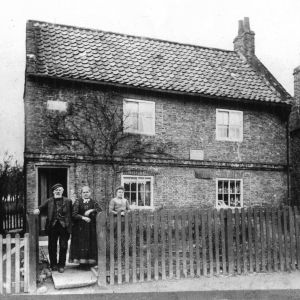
241 192
138 131
151 190
229 138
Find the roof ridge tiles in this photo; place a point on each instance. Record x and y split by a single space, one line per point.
135 37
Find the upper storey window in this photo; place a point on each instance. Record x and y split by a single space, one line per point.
229 125
139 116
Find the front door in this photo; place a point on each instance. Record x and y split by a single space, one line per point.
47 177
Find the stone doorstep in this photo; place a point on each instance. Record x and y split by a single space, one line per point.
73 277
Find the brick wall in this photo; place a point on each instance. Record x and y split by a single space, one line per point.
295 174
174 187
294 124
189 123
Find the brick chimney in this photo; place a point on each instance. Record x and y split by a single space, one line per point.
244 42
297 85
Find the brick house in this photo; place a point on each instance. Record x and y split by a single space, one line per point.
224 114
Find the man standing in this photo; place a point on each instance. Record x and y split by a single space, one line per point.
58 225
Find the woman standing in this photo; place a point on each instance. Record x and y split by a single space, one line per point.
84 239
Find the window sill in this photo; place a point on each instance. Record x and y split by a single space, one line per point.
229 140
228 207
135 207
140 133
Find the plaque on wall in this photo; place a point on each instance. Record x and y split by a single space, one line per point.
196 154
57 105
203 174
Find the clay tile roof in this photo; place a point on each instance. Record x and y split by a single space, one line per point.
78 53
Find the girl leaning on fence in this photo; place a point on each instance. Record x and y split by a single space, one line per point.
119 203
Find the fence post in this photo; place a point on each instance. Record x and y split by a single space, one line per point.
33 251
101 242
230 243
1 216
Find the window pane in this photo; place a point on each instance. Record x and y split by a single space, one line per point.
234 132
130 116
141 193
146 109
148 199
146 117
127 196
226 199
220 185
133 198
232 187
148 186
238 187
235 118
225 187
126 186
140 200
133 186
146 125
131 123
223 131
131 107
232 201
222 118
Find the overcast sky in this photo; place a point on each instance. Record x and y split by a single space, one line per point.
211 23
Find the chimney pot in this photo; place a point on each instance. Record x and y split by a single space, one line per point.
241 27
246 24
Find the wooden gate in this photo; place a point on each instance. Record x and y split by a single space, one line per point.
18 260
14 264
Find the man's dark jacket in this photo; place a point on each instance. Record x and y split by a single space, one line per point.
49 208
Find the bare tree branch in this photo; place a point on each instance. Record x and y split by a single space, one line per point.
97 124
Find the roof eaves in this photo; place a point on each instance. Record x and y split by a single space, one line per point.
286 104
269 78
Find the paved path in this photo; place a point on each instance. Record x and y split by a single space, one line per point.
271 281
204 295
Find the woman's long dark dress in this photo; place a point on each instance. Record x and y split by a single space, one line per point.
84 240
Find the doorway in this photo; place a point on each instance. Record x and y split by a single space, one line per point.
47 177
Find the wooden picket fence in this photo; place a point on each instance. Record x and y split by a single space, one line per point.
143 246
11 214
18 260
13 221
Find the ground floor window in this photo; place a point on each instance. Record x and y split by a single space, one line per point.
229 193
138 190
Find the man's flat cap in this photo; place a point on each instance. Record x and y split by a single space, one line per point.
55 186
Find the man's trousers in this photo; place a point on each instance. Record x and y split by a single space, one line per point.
58 232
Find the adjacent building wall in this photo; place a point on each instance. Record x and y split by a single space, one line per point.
294 125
